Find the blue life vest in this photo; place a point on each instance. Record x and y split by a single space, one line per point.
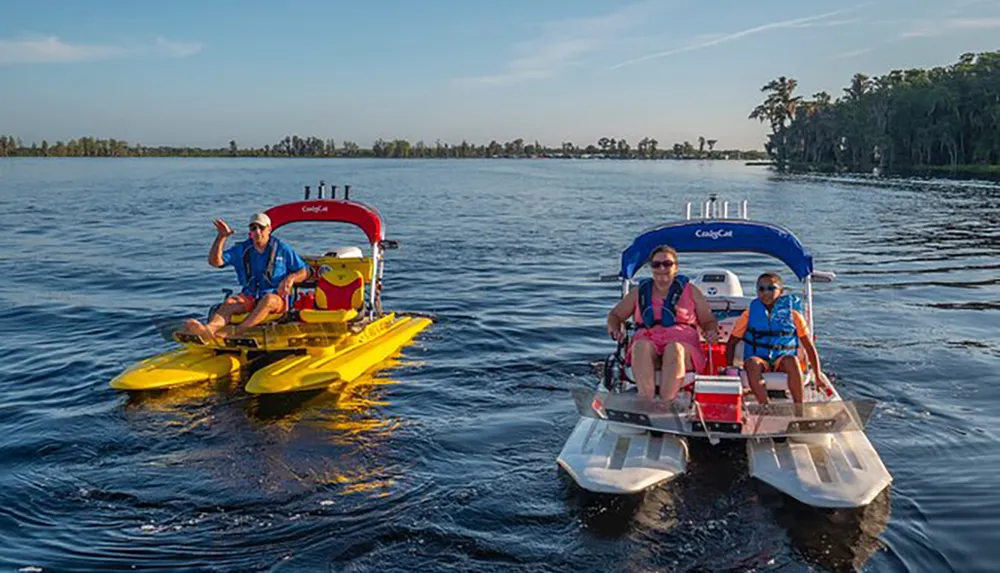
645 302
771 335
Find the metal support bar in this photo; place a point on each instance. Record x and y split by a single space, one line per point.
809 304
376 277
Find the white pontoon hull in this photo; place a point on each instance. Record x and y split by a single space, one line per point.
839 470
827 470
605 457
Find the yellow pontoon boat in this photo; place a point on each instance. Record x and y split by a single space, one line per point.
334 331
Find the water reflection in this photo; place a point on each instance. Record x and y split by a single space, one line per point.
208 477
837 540
602 515
716 517
320 439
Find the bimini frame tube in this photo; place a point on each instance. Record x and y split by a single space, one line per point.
376 277
376 296
809 303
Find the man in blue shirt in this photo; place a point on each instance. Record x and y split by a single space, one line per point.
266 268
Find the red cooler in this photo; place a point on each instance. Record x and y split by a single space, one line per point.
720 399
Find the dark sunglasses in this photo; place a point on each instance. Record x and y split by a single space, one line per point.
256 227
768 288
665 264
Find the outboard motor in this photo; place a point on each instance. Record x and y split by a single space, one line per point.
718 282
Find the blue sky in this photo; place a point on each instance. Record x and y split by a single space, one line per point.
202 73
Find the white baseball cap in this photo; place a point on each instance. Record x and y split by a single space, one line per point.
260 219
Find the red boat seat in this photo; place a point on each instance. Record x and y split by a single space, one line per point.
339 295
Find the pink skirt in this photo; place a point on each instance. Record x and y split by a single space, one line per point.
661 336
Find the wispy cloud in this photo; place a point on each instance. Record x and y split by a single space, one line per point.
53 50
564 44
807 22
852 54
973 23
934 28
172 49
918 33
829 23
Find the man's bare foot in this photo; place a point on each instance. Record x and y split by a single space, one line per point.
200 330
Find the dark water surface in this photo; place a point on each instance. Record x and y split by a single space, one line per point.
447 462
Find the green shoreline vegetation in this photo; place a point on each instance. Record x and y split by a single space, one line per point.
943 121
938 122
295 146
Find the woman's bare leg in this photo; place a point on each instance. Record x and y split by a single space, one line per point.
643 366
672 371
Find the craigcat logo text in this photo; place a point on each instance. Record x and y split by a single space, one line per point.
714 234
315 209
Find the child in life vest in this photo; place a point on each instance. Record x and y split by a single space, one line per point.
772 330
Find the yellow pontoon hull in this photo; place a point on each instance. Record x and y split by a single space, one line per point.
177 367
335 357
342 362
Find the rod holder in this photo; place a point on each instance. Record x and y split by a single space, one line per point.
320 189
347 192
307 192
333 191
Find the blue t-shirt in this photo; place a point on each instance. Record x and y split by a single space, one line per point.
286 261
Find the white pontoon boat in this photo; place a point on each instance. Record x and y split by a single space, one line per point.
817 453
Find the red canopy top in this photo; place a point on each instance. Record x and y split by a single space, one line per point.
365 217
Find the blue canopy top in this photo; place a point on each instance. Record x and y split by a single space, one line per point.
719 237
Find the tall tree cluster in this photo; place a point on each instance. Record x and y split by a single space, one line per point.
905 119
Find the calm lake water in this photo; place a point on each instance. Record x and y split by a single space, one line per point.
447 461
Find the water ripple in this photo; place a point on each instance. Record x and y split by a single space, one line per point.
447 461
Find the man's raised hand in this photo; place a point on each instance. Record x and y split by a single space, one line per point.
222 228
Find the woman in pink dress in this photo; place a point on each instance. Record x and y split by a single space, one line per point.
668 311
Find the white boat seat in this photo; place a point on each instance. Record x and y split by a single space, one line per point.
727 309
774 380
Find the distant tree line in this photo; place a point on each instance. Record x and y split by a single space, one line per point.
944 118
295 146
